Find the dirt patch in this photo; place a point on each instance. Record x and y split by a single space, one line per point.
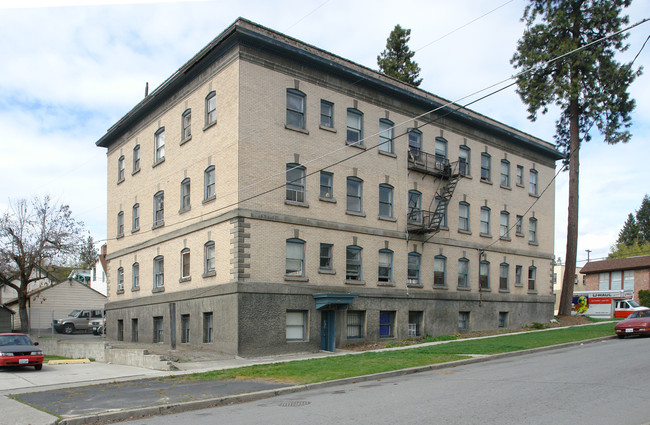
559 321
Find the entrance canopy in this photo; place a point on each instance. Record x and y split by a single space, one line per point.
333 300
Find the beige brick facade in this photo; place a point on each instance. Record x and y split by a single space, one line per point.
250 219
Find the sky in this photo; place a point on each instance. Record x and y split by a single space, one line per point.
70 69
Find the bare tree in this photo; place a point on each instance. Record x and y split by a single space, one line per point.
33 234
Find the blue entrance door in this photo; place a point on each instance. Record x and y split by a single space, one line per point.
327 330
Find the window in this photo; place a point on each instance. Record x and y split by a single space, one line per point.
210 109
355 324
120 169
386 136
413 272
385 268
326 114
464 160
295 259
485 221
158 272
159 209
186 125
505 173
158 329
134 330
159 145
415 144
503 319
484 275
135 276
326 256
504 269
185 264
386 324
628 279
120 280
415 207
440 270
603 281
532 230
415 323
442 210
519 226
326 185
120 224
532 187
120 330
209 266
296 325
353 262
485 167
354 195
185 195
385 200
295 108
504 225
532 275
136 159
463 216
441 151
518 273
355 127
463 320
295 183
135 212
463 273
616 282
207 327
520 175
208 183
185 328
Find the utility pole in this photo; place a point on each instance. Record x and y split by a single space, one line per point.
588 252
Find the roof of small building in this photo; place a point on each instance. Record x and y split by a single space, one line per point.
640 262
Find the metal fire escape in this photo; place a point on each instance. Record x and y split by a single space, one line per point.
422 221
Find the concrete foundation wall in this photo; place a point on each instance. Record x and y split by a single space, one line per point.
74 349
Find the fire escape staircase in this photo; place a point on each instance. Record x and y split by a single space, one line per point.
429 221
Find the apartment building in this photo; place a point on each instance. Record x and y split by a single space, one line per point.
271 197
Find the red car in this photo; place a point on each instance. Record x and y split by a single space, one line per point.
19 350
637 323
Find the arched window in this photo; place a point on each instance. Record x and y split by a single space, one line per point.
295 187
185 195
486 166
464 157
159 272
295 258
159 209
295 108
353 262
210 109
385 269
484 275
209 255
415 207
385 200
185 264
463 273
463 216
186 125
159 145
354 133
355 195
440 270
414 262
209 191
386 136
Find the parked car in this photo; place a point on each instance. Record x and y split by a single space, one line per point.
82 320
637 323
18 350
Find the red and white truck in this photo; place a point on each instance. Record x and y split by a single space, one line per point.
613 304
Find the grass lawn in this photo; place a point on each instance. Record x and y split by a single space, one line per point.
330 368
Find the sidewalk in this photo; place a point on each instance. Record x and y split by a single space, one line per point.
104 392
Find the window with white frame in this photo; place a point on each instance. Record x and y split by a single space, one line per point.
326 114
296 325
440 270
519 226
414 213
120 280
603 281
210 109
353 262
413 269
159 272
386 136
519 177
463 216
385 266
485 221
518 276
385 201
185 264
209 191
120 224
505 173
485 167
136 159
295 258
440 147
295 188
185 194
186 125
354 323
326 256
295 108
504 225
135 276
415 144
504 269
532 230
532 276
326 185
135 217
354 194
484 275
616 281
532 183
159 145
120 169
209 254
464 155
354 127
463 273
159 209
628 279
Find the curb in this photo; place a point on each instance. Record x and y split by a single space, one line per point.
68 361
138 413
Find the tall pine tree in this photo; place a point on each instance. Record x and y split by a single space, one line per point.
396 60
588 86
630 232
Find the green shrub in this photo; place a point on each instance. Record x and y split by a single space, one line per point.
644 297
537 325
